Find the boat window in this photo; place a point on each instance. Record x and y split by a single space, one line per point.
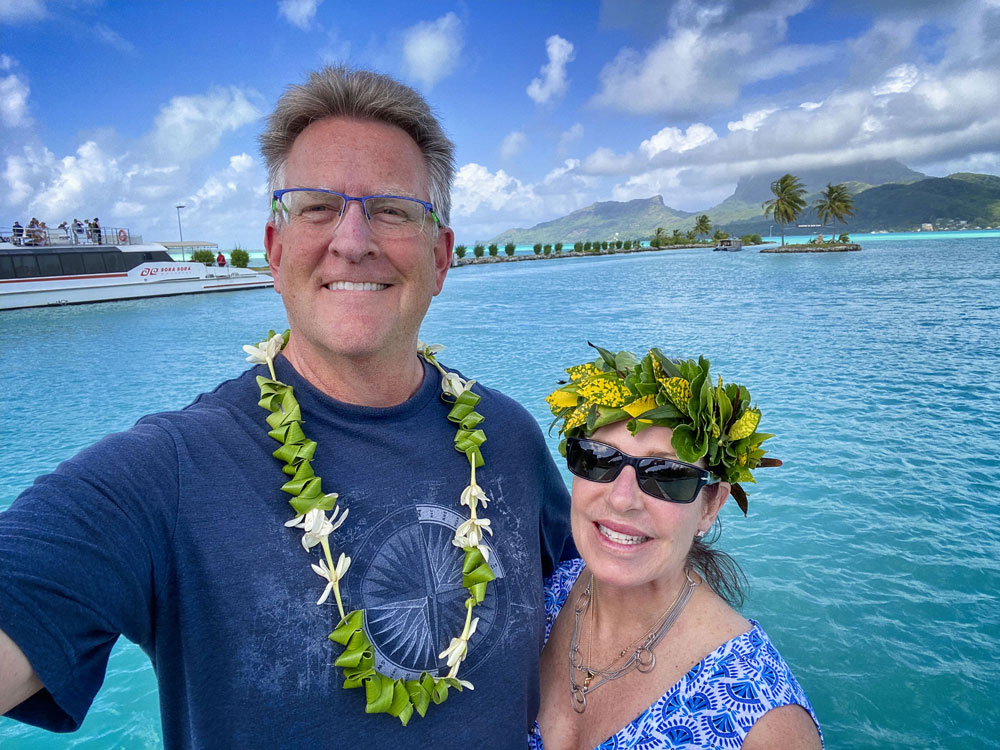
25 266
49 265
114 261
131 260
6 267
72 263
93 263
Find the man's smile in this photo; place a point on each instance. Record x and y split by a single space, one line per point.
356 286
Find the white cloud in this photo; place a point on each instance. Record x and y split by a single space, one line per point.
568 137
189 127
14 11
476 186
6 62
486 203
751 120
128 209
672 139
432 49
134 184
899 80
605 161
113 38
809 106
13 99
654 182
72 182
705 59
299 12
336 50
553 81
513 144
23 172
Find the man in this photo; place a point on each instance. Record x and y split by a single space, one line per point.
176 534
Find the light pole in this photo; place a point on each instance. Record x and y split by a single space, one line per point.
179 206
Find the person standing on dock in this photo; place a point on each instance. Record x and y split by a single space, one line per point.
421 508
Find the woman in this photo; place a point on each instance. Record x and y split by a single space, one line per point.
648 651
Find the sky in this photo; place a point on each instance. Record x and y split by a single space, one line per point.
123 110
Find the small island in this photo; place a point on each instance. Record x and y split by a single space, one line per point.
826 247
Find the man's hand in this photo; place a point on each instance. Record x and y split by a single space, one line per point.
17 679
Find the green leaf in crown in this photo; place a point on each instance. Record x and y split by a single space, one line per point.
712 422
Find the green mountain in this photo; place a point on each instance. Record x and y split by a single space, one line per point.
887 195
600 221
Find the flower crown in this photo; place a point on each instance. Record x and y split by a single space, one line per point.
717 423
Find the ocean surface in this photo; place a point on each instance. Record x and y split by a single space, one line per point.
873 553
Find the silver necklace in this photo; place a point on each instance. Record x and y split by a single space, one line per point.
642 658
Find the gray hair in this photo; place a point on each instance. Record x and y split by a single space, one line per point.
365 95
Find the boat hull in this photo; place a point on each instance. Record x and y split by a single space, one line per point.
146 280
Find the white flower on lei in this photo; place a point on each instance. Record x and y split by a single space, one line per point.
470 534
454 385
331 576
474 496
317 526
428 350
265 351
458 649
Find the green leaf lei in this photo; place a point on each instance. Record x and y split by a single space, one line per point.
396 697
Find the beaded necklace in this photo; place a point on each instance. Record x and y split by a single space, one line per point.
395 696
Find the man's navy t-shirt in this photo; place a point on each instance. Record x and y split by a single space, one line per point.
172 534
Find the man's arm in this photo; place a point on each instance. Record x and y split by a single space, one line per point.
18 680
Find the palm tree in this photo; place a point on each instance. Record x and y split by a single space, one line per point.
658 238
702 225
836 202
787 203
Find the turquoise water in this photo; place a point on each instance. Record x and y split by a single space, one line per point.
258 258
873 554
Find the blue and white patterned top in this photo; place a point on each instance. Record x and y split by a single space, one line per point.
714 705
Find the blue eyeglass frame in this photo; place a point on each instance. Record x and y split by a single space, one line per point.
276 201
705 477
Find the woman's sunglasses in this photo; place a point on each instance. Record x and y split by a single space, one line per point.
663 478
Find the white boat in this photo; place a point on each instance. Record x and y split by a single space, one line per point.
729 246
71 274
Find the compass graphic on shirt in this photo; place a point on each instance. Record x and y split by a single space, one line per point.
413 597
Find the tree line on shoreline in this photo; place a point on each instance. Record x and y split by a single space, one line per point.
834 204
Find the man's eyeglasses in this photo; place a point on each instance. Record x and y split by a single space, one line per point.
389 216
663 478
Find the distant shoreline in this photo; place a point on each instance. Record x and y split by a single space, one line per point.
467 261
